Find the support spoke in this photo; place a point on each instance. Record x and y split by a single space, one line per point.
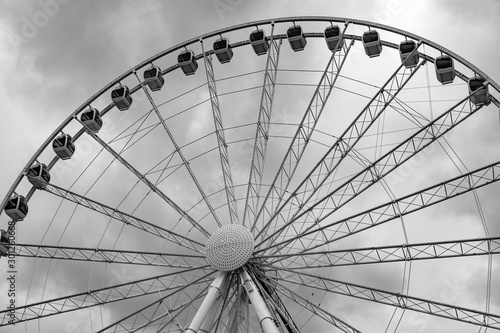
148 182
339 150
402 206
302 136
125 218
388 253
407 302
109 256
262 132
381 167
179 151
316 310
221 140
167 282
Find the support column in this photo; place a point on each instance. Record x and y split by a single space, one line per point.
210 300
265 319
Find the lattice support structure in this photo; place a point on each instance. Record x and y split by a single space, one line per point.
262 133
341 148
109 256
302 136
124 217
382 166
163 283
392 253
396 299
221 140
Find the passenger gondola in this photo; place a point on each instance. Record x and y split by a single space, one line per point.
121 97
63 146
372 43
334 38
16 208
408 58
258 41
92 119
153 78
4 238
38 175
187 62
296 38
476 84
222 50
445 69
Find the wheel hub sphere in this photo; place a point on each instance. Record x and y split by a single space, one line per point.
229 247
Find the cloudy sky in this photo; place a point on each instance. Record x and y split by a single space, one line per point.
55 54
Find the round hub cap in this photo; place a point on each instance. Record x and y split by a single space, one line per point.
229 247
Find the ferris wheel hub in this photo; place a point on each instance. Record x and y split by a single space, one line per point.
229 247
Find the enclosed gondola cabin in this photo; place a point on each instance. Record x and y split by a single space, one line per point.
38 175
480 97
16 208
92 119
187 62
372 43
223 50
445 69
334 38
63 146
258 41
121 97
296 38
153 78
4 238
408 58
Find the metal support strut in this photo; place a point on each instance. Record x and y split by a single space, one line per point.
265 318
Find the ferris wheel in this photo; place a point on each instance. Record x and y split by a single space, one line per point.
283 175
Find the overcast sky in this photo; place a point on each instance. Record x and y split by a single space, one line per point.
55 54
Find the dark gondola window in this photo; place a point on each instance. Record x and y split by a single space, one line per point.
220 44
444 63
117 93
407 47
294 31
332 31
370 37
258 35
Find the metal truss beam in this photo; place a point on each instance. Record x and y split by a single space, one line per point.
403 206
147 181
406 302
379 169
262 132
150 314
162 283
302 137
389 253
109 256
125 218
221 140
317 310
340 149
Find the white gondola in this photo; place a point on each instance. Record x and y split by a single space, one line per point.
445 69
153 78
92 119
334 38
121 97
408 58
480 96
296 38
372 43
222 50
259 42
63 146
38 175
4 238
187 62
16 208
